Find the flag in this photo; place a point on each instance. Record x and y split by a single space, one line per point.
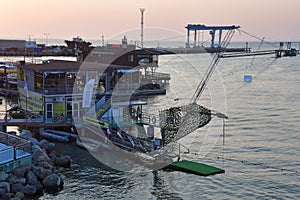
87 94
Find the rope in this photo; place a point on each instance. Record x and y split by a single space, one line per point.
260 39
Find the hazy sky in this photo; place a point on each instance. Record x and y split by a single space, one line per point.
273 19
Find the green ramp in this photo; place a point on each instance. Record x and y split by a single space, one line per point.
195 168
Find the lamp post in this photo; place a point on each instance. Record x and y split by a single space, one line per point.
142 10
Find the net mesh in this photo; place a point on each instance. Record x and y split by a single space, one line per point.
177 122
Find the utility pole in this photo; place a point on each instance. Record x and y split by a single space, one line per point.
142 27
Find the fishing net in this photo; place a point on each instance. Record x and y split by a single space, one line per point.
177 122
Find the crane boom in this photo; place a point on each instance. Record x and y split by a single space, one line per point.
212 66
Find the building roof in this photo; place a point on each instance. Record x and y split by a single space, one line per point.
61 65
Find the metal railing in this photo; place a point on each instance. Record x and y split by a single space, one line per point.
13 147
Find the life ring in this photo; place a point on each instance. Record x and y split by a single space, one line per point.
153 120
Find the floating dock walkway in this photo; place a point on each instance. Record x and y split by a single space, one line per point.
195 168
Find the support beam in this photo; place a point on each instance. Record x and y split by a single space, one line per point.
187 45
212 33
220 38
195 38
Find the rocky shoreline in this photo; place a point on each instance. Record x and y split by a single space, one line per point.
42 175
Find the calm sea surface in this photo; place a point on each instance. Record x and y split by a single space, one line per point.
261 154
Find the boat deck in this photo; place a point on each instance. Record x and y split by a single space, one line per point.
195 168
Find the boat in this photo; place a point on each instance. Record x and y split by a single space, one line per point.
131 131
78 42
56 135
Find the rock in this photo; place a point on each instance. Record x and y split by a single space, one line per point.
31 178
26 134
44 144
34 141
15 198
3 195
6 186
12 179
3 176
45 165
19 195
35 147
53 182
40 172
51 147
21 180
39 155
39 187
52 155
64 161
17 187
10 195
28 190
19 172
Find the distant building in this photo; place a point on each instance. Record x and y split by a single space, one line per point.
55 90
16 45
30 44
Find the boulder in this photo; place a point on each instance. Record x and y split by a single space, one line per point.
26 134
19 195
45 165
19 172
16 187
3 194
35 147
21 180
53 182
52 155
15 198
5 186
41 172
39 155
64 161
34 141
28 190
51 147
39 187
12 179
31 178
44 144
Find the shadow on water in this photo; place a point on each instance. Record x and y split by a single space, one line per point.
90 178
159 190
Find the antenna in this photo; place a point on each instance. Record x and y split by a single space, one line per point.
142 27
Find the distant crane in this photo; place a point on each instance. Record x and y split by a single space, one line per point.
212 30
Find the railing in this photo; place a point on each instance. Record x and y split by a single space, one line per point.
13 147
156 75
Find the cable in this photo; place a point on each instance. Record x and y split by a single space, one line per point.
260 39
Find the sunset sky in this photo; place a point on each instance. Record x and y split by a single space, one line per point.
90 19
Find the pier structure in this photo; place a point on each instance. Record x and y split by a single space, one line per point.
212 30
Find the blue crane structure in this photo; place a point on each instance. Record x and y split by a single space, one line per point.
212 30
